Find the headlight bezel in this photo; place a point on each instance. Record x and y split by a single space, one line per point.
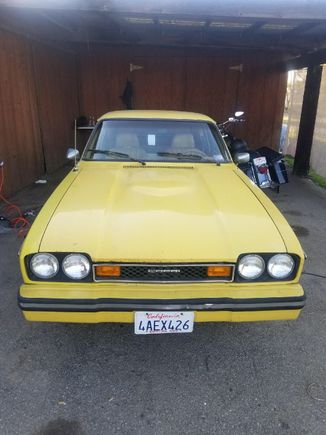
60 276
265 276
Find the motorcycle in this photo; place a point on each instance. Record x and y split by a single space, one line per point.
264 166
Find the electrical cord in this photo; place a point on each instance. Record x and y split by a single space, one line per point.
14 214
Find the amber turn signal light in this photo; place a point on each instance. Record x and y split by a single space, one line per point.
220 271
107 270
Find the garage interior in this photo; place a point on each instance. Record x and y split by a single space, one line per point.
62 60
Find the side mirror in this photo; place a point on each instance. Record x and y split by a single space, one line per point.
241 158
72 154
238 114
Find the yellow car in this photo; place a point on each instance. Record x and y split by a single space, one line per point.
157 226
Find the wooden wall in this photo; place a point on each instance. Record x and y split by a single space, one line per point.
207 82
42 90
57 100
20 144
38 102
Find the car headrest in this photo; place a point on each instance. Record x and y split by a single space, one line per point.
183 141
124 140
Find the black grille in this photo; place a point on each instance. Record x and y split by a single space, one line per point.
163 273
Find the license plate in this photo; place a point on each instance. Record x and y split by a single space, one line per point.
154 322
258 161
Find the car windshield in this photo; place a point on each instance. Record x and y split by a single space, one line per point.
156 141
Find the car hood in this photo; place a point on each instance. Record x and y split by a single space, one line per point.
128 212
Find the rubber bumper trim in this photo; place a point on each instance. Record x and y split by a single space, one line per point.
106 304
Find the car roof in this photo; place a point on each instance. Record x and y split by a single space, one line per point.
156 114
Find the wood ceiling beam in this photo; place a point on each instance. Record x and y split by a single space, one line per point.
101 26
306 60
242 38
56 22
289 9
52 44
130 34
254 27
303 28
31 24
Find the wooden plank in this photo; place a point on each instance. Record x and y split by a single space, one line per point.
262 100
271 107
110 26
307 121
31 23
55 75
250 99
189 80
159 84
311 59
170 79
291 9
20 145
211 86
103 73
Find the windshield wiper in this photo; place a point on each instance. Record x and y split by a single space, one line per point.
180 156
116 154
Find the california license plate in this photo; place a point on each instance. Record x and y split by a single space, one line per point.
154 322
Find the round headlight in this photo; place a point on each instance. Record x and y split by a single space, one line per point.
251 266
76 266
280 266
44 265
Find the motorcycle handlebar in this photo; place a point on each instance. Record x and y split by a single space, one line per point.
230 121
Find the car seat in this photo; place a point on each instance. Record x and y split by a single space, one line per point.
128 143
182 142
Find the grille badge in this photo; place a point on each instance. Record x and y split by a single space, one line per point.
163 270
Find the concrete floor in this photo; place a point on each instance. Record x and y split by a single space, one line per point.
263 378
